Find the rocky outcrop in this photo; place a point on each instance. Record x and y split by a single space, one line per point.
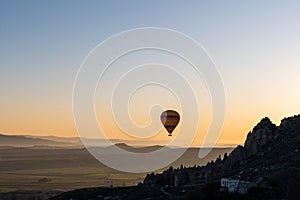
234 158
261 134
292 124
176 177
264 137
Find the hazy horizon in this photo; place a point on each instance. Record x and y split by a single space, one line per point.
95 142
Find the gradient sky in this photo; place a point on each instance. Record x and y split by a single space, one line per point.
255 45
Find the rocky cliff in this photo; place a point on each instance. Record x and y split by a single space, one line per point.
262 133
267 149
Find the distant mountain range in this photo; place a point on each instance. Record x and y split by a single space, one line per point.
53 142
75 142
25 141
72 142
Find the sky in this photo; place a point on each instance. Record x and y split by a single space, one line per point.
254 44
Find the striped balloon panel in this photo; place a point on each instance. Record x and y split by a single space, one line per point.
170 119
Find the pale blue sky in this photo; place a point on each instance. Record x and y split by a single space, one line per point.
255 45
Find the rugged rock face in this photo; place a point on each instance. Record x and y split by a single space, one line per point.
262 133
234 158
264 137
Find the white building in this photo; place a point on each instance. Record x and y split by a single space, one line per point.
236 185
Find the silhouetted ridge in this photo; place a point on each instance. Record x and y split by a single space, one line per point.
270 158
265 123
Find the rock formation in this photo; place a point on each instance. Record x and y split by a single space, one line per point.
262 139
262 133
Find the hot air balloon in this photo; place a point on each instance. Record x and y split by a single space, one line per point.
170 119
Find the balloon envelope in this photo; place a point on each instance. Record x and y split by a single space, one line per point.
170 119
